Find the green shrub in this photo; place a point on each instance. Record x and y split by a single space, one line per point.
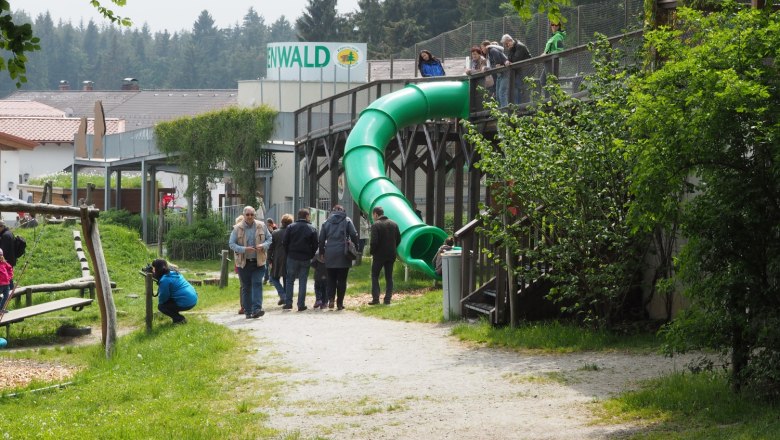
121 217
202 240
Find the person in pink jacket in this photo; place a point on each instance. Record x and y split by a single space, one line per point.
6 275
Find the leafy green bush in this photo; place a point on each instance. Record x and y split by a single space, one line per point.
203 239
121 217
62 179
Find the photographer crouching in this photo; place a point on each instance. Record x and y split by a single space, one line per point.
174 293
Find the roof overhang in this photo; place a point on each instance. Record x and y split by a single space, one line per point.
9 142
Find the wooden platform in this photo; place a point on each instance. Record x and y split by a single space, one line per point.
18 315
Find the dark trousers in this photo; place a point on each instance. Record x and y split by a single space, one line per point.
377 266
337 285
170 309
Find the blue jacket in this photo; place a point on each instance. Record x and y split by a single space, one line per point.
431 68
173 285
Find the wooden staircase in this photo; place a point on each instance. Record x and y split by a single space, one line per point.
488 290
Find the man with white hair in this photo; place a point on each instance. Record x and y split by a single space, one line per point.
516 51
250 241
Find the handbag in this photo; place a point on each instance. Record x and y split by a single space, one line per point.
350 250
489 81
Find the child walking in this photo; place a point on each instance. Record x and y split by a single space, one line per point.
6 275
320 281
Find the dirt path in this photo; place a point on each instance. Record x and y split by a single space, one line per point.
356 377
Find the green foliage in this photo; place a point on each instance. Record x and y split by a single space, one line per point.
235 136
565 168
121 217
206 237
526 8
707 130
63 179
692 406
17 40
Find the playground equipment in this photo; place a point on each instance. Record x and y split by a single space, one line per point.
364 161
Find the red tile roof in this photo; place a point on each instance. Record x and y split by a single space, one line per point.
43 129
17 108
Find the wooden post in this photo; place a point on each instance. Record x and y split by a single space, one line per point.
223 270
149 300
102 281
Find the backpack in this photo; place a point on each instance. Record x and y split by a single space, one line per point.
20 246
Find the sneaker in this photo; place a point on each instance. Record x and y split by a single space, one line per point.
340 308
241 311
280 302
258 314
302 308
249 316
331 304
318 304
287 307
183 321
374 302
324 305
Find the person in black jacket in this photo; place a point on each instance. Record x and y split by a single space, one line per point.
385 237
300 243
516 51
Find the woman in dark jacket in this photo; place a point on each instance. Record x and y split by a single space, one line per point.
278 257
333 241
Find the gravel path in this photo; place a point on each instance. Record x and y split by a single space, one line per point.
354 377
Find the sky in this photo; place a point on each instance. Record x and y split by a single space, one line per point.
173 15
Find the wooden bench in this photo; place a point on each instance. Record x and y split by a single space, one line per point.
19 315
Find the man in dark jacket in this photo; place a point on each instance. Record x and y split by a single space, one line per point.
516 51
385 237
496 59
300 243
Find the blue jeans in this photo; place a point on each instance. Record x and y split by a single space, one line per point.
5 291
296 270
502 89
278 286
251 278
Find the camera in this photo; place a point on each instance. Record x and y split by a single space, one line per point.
147 269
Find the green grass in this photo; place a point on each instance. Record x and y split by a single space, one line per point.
553 337
177 381
693 406
424 308
359 280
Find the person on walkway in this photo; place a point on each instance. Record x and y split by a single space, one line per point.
250 241
174 293
300 244
278 258
271 226
429 65
385 237
555 42
241 310
496 58
320 281
333 243
8 246
516 51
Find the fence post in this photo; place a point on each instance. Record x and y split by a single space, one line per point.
149 295
223 270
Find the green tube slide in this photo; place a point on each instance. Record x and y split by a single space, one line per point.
365 168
